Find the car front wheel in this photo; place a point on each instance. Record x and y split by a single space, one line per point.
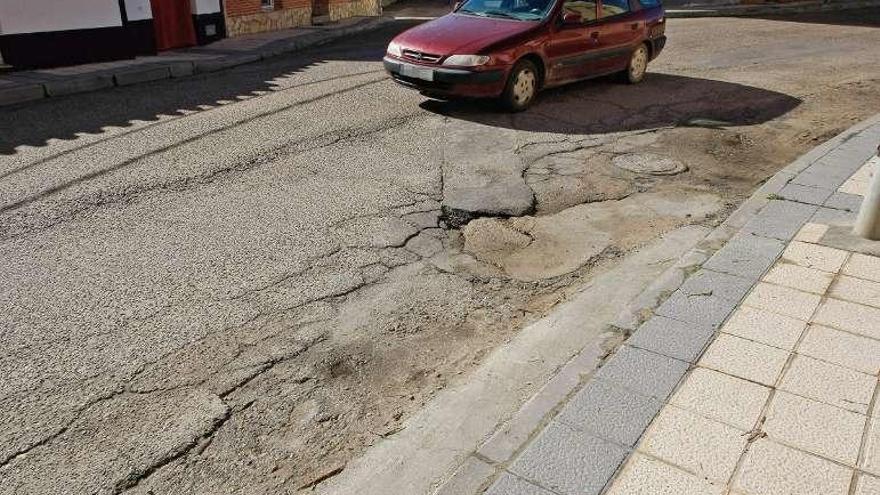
638 65
522 86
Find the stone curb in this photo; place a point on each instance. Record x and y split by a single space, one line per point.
758 10
126 76
596 417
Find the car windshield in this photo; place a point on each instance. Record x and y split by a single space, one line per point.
520 10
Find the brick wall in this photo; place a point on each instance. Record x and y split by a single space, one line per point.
248 16
251 7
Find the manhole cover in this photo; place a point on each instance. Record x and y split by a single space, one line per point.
649 163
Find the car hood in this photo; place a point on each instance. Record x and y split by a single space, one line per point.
461 34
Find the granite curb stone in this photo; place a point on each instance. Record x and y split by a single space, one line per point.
51 86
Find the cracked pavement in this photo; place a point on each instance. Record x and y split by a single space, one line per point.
238 282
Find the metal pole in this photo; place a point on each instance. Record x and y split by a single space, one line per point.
868 222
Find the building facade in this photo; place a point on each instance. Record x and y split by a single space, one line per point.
254 16
49 33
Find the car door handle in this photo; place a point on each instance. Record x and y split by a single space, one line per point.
594 35
634 26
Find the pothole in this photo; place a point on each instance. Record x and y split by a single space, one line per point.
649 164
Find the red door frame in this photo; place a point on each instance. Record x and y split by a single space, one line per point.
173 24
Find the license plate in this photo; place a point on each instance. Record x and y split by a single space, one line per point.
417 72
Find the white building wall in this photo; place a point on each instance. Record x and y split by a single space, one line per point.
35 16
137 10
204 6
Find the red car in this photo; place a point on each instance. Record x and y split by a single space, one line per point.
513 48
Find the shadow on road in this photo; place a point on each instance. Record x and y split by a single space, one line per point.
66 118
606 106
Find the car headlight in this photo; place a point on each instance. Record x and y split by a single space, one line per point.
466 60
394 49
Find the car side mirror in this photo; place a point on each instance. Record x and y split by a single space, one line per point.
572 18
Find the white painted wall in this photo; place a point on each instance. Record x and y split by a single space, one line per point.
137 10
35 16
203 6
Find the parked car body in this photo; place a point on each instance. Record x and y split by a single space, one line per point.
513 48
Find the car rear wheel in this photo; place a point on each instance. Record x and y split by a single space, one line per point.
522 86
638 65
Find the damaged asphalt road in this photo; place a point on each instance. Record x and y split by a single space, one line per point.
237 283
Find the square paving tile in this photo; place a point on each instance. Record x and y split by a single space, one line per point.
811 232
857 290
815 427
829 383
745 358
711 283
805 194
722 397
644 372
842 348
783 300
844 201
868 485
872 448
701 309
508 484
773 469
800 278
569 461
610 411
699 445
673 338
645 476
746 255
780 219
813 256
863 266
852 317
765 327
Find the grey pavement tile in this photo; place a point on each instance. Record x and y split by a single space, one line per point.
610 412
569 461
79 84
644 372
699 309
746 255
673 338
468 478
824 173
181 68
830 216
20 93
137 75
780 219
844 201
805 194
509 484
718 284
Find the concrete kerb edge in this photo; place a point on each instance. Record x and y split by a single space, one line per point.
181 69
757 10
674 278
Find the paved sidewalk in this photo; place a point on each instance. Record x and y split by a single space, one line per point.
24 86
757 376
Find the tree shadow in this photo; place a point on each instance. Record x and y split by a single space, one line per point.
606 106
67 118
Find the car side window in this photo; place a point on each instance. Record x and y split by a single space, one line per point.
585 8
614 7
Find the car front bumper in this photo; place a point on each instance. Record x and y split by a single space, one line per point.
441 81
